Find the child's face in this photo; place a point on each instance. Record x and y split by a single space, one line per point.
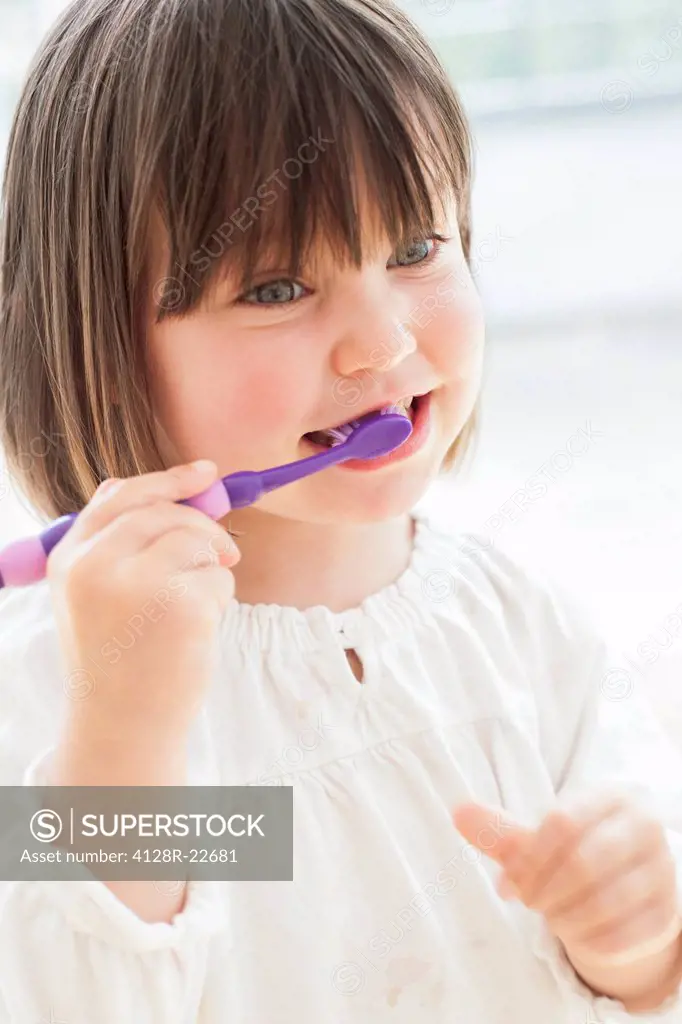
243 378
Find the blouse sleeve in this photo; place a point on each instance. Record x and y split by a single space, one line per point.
598 731
71 951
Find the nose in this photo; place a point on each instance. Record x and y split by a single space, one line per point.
374 342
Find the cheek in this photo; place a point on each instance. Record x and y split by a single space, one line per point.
265 402
214 393
455 337
273 386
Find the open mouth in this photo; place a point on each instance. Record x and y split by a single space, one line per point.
337 435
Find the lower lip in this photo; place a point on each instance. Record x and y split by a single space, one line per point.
421 429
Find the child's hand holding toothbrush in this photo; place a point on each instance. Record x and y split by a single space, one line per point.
603 876
138 585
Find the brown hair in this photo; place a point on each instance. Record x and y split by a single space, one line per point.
189 110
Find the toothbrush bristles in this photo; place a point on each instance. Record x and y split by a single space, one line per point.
341 434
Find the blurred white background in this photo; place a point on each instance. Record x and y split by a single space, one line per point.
576 107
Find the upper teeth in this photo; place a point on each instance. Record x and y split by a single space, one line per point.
404 403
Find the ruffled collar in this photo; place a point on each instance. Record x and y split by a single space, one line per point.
412 597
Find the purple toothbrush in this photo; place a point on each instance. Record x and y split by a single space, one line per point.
24 561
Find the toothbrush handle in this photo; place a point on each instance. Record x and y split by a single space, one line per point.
25 561
214 502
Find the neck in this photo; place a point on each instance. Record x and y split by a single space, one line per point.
302 565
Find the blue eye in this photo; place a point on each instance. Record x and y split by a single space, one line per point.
418 252
273 293
283 291
413 254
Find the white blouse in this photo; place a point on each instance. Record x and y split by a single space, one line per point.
480 683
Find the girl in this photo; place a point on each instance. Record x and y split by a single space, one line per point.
228 228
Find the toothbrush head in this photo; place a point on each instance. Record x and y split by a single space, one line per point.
377 434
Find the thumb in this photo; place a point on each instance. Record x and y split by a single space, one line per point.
490 829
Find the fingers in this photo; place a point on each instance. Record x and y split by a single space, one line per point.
490 830
192 541
137 529
187 549
531 866
602 874
635 895
216 584
113 498
640 938
572 857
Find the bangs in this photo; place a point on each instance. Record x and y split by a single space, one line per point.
267 169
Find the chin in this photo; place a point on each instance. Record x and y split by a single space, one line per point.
358 497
